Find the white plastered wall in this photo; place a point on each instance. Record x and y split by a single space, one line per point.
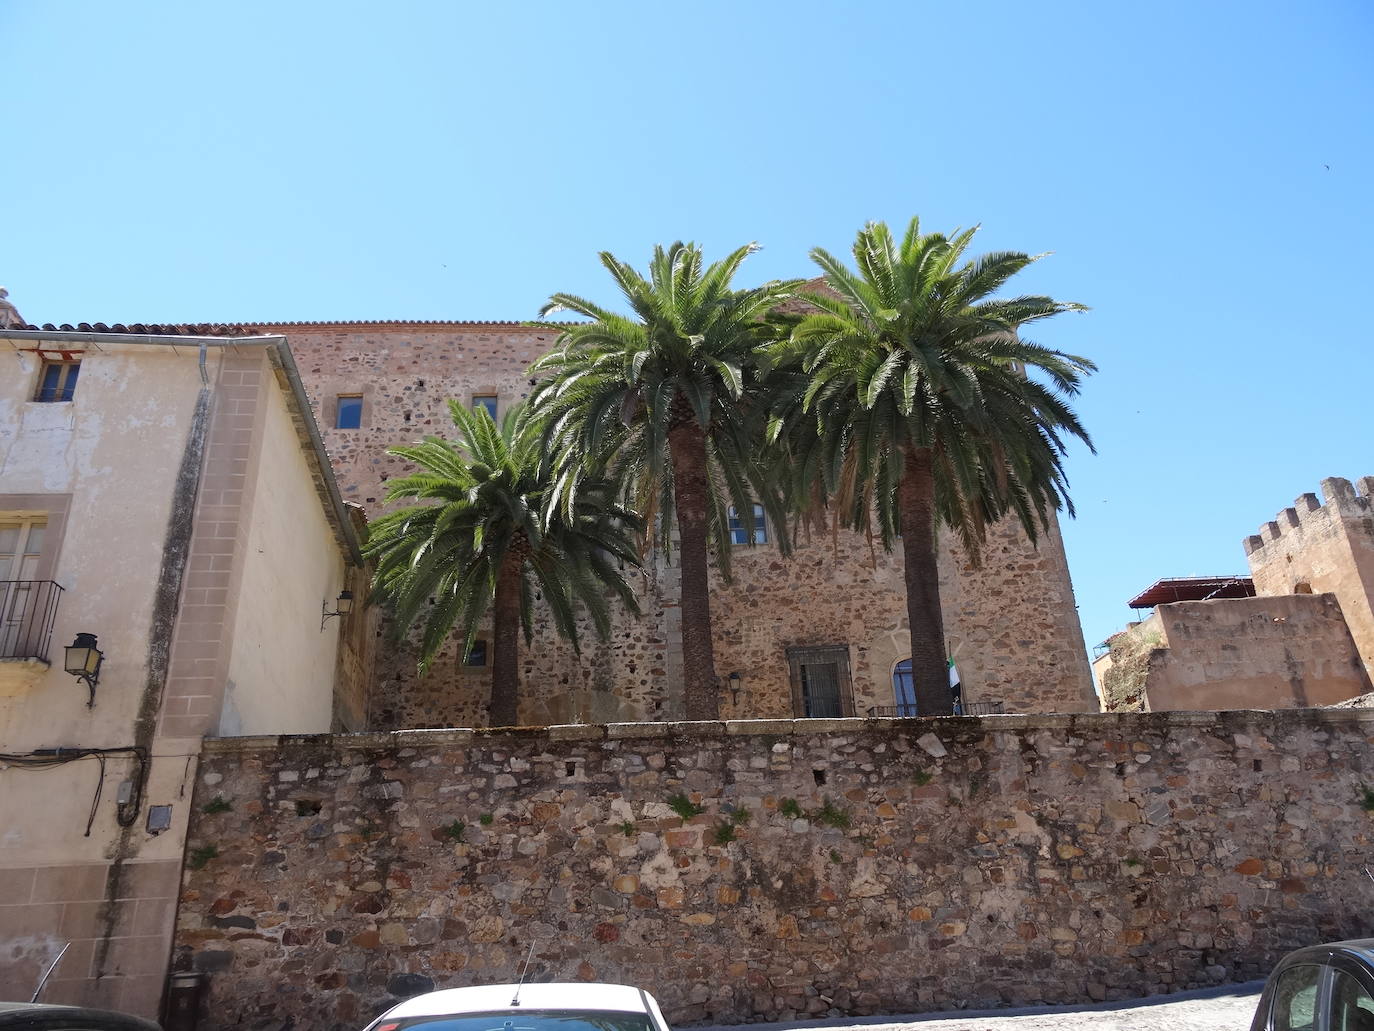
281 667
114 452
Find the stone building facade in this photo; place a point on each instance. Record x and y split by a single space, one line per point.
1324 548
776 869
1012 625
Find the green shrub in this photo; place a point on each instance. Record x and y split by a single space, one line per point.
725 833
454 831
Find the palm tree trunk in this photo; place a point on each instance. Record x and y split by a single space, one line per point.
505 662
929 674
688 445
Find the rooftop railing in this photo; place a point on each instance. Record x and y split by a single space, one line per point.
960 709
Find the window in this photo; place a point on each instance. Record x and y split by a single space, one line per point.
21 596
57 381
487 401
820 681
1352 1008
349 413
739 533
21 544
477 655
904 689
1295 999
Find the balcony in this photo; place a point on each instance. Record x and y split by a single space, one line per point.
28 609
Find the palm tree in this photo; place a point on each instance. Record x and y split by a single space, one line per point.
916 408
665 400
484 538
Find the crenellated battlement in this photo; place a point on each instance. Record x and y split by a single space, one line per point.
1344 503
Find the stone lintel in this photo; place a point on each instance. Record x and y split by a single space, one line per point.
626 731
576 732
739 728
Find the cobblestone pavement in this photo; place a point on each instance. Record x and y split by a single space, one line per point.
1215 1009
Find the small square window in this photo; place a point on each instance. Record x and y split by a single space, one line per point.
57 381
487 401
349 413
739 534
477 655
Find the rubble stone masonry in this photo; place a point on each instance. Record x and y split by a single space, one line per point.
778 868
1012 625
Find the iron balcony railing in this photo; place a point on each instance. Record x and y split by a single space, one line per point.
960 709
28 609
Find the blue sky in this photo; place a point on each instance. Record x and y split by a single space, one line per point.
268 161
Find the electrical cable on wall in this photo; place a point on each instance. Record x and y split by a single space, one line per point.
47 758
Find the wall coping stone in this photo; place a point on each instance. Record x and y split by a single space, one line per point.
940 725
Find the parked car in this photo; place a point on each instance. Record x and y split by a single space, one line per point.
1320 988
37 1016
527 1007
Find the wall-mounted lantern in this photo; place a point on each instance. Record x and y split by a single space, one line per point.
342 607
736 682
83 662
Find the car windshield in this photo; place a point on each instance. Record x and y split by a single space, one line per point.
532 1020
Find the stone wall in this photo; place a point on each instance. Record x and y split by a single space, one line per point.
839 866
1315 547
1258 653
1012 624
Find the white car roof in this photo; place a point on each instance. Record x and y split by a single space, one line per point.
495 998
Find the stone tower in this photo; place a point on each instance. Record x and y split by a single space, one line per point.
1318 548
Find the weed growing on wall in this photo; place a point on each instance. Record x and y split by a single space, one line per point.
202 855
216 805
628 829
1367 798
485 819
922 778
684 807
725 833
790 808
830 815
454 830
